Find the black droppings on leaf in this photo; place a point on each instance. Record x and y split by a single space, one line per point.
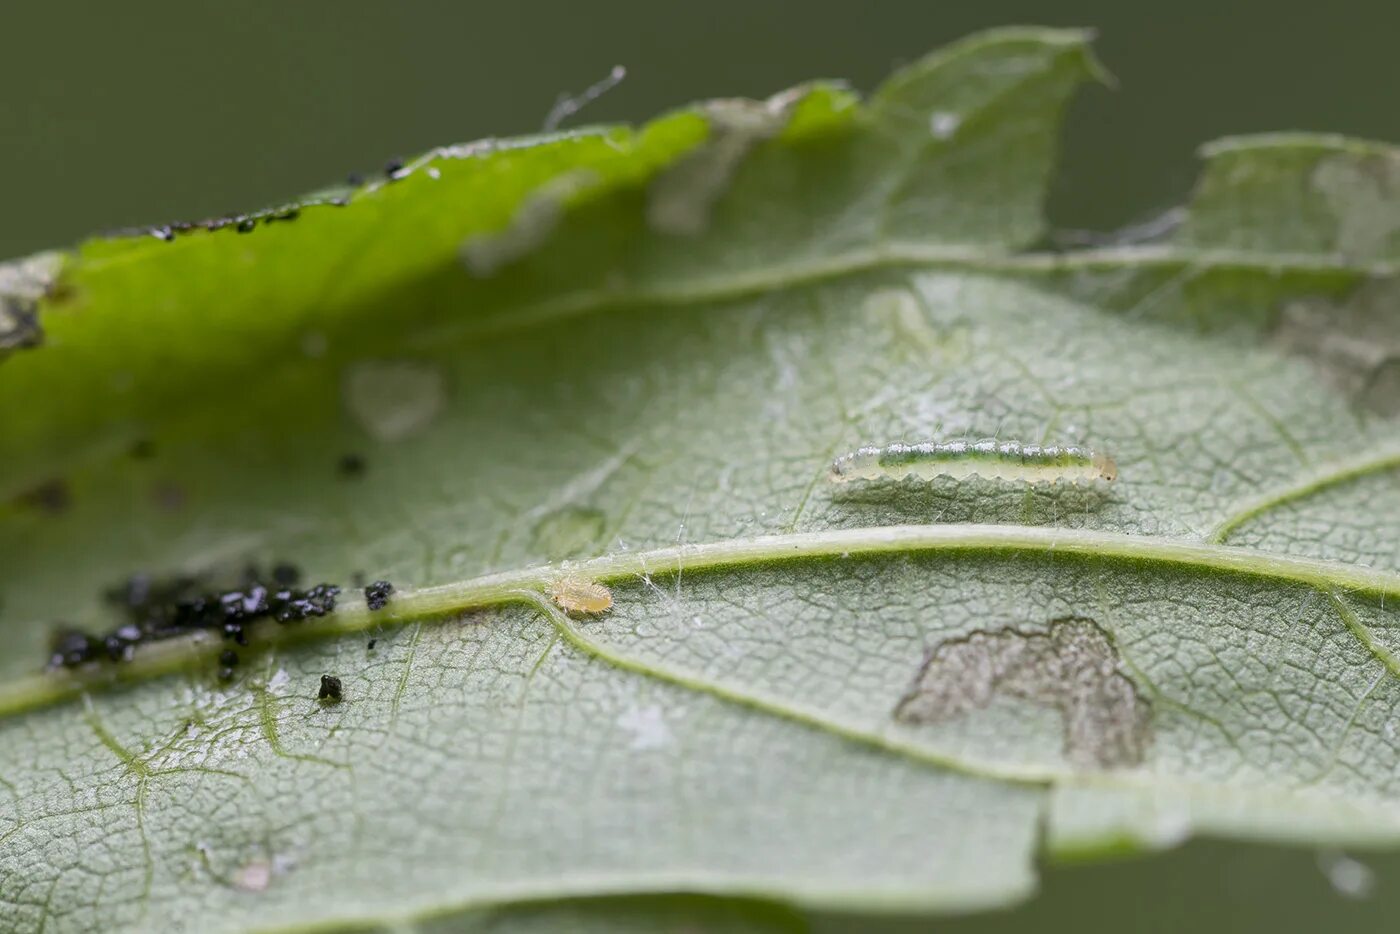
71 648
350 466
241 221
372 644
249 603
331 689
293 606
392 168
120 641
166 609
377 594
128 632
228 658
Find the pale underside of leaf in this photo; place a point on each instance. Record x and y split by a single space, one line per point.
544 380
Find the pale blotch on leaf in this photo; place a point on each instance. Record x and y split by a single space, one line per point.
394 399
646 726
680 199
534 221
254 876
1352 343
1072 667
571 532
1364 195
943 124
912 336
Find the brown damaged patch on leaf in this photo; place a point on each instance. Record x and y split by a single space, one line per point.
23 283
1073 667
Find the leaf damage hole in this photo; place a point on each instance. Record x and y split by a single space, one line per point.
1073 666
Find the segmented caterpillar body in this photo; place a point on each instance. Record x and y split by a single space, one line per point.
996 460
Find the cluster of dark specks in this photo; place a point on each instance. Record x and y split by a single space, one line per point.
377 594
166 609
392 168
244 222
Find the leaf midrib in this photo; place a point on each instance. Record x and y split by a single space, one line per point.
528 584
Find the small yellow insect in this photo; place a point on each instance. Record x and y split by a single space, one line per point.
578 595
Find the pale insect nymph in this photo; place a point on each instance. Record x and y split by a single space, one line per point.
580 595
995 460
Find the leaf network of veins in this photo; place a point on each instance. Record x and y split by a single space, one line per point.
528 586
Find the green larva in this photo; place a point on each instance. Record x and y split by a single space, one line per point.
995 460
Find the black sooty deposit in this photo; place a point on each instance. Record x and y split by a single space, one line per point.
160 609
331 689
377 594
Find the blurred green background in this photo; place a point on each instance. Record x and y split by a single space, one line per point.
115 114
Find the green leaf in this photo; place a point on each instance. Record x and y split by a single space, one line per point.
629 356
